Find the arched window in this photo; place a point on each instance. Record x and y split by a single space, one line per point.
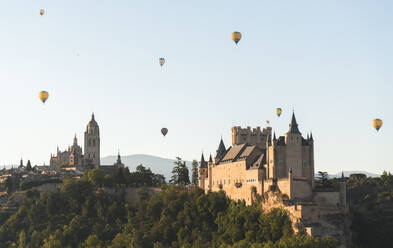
94 142
89 142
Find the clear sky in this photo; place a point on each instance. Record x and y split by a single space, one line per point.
329 60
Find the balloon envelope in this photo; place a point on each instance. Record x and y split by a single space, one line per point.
164 131
236 36
161 61
377 124
278 111
42 12
43 96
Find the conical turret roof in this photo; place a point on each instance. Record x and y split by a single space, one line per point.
293 126
221 150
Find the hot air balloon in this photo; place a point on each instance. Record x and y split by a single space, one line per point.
236 36
161 61
42 12
164 131
377 124
278 111
43 96
267 122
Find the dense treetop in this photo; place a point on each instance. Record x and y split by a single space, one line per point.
82 214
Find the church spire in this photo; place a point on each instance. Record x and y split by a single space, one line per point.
274 136
75 140
210 158
118 157
311 138
293 126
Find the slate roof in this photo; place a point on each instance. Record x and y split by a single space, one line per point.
293 126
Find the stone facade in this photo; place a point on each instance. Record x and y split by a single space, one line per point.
259 163
71 157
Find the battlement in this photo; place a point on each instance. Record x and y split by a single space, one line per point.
253 136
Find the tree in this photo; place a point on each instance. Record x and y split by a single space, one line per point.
323 179
96 177
194 172
180 174
28 166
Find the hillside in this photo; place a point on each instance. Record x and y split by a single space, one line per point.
157 164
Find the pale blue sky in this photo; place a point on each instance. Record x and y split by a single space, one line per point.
330 60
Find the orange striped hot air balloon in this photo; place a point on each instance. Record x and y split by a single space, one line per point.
43 96
377 124
236 36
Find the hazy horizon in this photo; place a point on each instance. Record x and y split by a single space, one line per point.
329 61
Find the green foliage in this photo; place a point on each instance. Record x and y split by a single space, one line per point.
371 204
30 184
194 178
322 180
81 216
180 174
145 177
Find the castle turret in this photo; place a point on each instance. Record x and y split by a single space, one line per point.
220 151
311 158
203 172
92 143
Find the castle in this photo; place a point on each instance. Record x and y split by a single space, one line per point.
280 171
90 158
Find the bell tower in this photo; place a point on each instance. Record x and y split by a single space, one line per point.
92 143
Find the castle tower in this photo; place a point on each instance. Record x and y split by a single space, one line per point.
92 143
203 172
293 141
255 136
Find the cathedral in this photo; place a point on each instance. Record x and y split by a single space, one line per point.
90 158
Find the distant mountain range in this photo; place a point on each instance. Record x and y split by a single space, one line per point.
157 165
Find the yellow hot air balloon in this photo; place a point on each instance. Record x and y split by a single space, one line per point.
43 96
42 12
236 37
164 131
161 61
377 124
278 111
